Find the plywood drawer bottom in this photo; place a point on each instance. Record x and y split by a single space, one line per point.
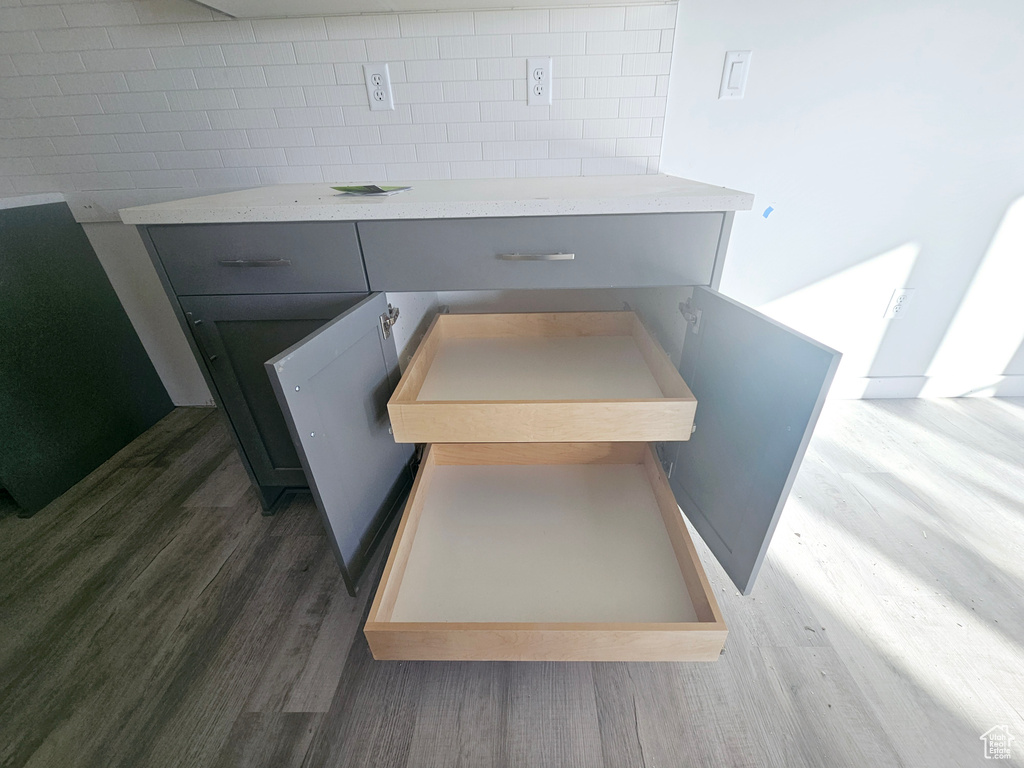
558 552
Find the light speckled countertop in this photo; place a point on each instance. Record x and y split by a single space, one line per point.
560 196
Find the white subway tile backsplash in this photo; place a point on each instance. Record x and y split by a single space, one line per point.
384 153
46 63
48 106
118 60
220 98
163 179
512 22
614 166
402 49
566 167
214 178
149 142
26 87
333 95
181 57
552 44
439 70
646 63
126 161
329 51
474 47
19 42
347 135
417 171
447 113
618 87
299 174
587 19
532 130
99 14
160 11
240 119
433 24
230 77
280 137
84 145
105 82
34 17
164 94
484 169
206 33
186 159
151 36
63 164
638 147
215 139
634 41
161 80
27 127
484 132
413 93
33 147
282 30
569 148
515 150
651 16
296 117
430 133
318 155
449 151
477 90
152 101
253 157
297 75
269 98
97 181
257 54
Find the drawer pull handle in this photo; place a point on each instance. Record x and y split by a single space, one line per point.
536 256
255 262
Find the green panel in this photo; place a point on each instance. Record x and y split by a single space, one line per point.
76 384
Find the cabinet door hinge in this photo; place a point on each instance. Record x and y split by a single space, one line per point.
691 315
387 321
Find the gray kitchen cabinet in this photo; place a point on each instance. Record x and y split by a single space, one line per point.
653 244
235 335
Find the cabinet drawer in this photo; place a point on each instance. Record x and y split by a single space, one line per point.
533 252
552 552
540 377
297 257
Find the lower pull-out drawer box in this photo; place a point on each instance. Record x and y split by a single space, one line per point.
544 552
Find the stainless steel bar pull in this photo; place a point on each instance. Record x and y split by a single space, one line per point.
537 256
255 262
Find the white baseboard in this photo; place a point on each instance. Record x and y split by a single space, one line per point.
879 387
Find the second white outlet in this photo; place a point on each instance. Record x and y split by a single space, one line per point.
538 82
378 86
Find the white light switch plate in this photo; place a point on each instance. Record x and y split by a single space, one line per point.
734 74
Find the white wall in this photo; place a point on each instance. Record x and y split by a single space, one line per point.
122 102
888 138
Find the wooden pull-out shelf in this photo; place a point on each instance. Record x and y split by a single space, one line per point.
544 552
540 377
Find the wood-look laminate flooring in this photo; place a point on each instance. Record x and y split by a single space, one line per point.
153 617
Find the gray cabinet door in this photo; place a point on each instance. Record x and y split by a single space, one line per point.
760 387
235 335
333 387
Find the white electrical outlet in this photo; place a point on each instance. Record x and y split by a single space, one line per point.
538 82
899 303
378 86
